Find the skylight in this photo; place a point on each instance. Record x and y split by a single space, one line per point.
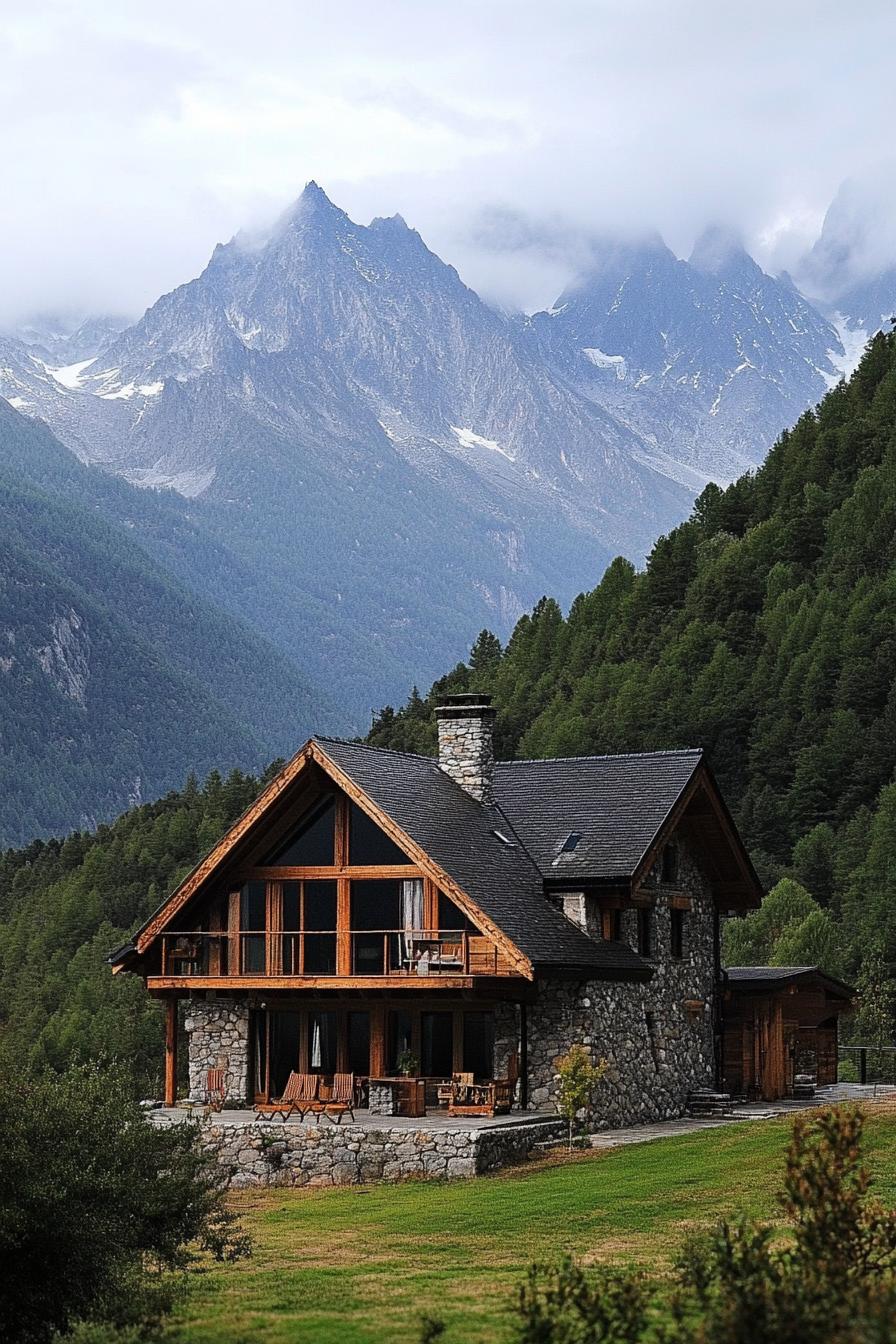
570 842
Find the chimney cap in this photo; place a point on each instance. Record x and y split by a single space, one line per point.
466 705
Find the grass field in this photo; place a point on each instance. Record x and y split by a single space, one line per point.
360 1265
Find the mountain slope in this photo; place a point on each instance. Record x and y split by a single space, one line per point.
763 629
708 360
115 679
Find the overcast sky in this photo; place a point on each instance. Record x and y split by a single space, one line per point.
136 137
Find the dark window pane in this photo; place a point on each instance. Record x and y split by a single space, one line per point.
376 904
367 843
453 919
322 1042
320 953
359 1043
252 906
320 905
436 1044
253 910
290 917
284 1049
670 862
311 844
479 1044
398 1039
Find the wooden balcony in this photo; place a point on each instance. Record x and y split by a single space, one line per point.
330 958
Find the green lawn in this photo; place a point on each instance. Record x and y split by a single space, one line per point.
359 1265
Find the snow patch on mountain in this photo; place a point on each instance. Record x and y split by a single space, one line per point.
468 439
603 361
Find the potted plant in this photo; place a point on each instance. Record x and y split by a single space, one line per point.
408 1063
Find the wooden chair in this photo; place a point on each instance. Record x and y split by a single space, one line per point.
489 1099
447 1090
300 1095
341 1099
216 1088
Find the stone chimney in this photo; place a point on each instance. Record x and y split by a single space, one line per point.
466 749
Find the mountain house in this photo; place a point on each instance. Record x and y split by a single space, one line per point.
380 913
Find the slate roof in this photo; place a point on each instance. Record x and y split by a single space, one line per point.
779 977
459 835
617 804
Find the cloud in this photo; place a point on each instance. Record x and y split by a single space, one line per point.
136 140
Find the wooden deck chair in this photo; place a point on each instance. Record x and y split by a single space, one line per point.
216 1086
341 1099
300 1095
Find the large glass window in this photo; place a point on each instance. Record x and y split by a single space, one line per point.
399 1038
479 1044
253 916
320 926
452 918
284 1039
322 1042
358 1045
436 1044
312 843
367 843
376 905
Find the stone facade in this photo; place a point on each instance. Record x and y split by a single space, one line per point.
268 1153
218 1036
466 748
658 1038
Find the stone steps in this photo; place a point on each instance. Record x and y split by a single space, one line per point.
704 1102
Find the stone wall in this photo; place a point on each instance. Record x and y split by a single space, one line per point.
218 1037
271 1153
658 1049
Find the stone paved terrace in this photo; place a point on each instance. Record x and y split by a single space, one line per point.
435 1147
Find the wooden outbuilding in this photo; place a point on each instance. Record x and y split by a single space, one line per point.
780 1022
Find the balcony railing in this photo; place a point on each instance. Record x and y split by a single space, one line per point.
313 953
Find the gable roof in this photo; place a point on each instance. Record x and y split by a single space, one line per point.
616 804
772 978
461 835
447 832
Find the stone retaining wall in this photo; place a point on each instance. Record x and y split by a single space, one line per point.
271 1153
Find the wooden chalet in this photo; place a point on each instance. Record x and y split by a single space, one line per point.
376 910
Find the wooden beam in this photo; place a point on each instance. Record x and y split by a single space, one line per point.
309 982
171 1051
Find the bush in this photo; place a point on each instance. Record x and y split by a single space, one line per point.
833 1281
101 1211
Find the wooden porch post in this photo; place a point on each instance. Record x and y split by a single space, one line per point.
171 1051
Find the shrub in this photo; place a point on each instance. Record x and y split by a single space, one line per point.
578 1080
832 1281
101 1211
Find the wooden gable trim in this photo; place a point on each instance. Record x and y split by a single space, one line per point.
703 782
216 856
423 861
312 751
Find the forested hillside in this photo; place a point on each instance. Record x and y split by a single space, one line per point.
65 905
115 677
763 629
